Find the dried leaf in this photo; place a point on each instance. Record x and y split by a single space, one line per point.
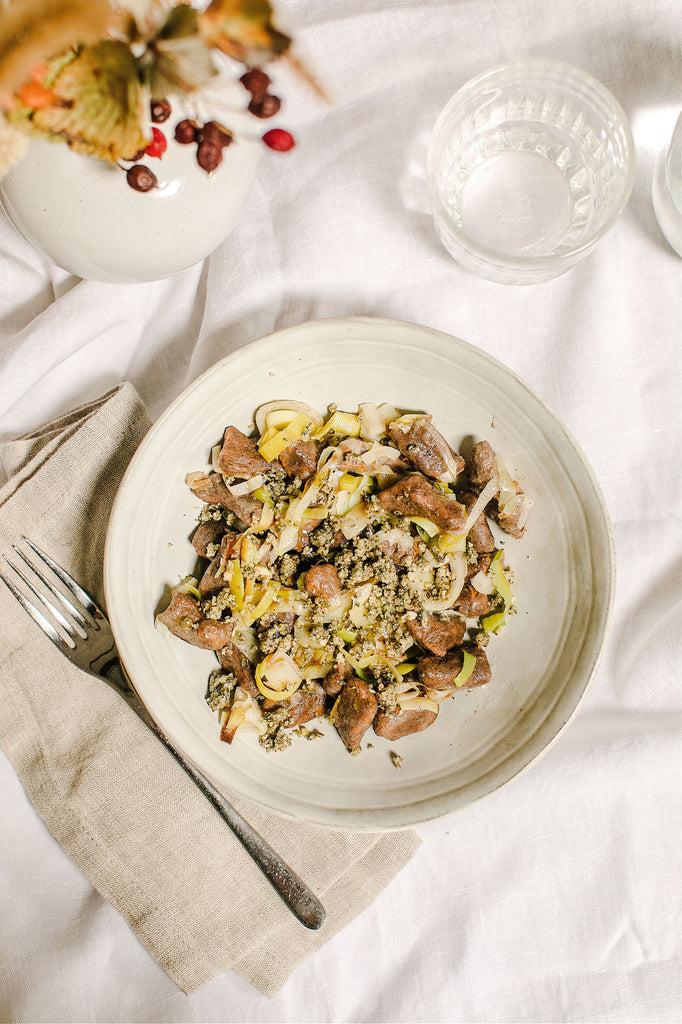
33 31
177 66
100 108
243 29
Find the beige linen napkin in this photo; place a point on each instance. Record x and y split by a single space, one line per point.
109 792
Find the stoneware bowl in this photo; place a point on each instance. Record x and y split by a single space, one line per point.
82 213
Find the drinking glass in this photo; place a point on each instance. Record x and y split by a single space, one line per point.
529 165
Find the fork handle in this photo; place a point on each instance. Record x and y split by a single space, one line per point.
295 893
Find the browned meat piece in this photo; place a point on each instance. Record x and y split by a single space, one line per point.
482 465
323 581
509 517
239 456
415 496
334 680
304 533
184 618
437 635
480 534
211 488
393 725
232 660
398 545
305 705
300 459
213 580
427 450
471 604
482 564
283 620
206 534
355 711
440 673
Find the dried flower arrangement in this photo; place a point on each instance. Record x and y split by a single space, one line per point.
93 74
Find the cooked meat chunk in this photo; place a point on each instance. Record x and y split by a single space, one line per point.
184 618
480 534
232 660
440 673
300 459
471 604
304 533
511 518
206 534
323 581
482 465
398 545
427 450
211 488
335 679
415 496
305 705
239 456
482 564
213 580
355 712
437 635
393 725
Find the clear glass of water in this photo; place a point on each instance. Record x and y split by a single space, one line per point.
667 189
529 165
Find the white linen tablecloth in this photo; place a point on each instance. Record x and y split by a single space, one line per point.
557 898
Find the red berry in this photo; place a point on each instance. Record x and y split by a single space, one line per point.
141 178
267 106
185 132
161 110
279 140
209 156
157 147
255 81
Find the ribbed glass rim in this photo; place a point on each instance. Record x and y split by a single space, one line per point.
540 70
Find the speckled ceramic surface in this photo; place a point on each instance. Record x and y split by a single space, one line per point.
542 661
82 213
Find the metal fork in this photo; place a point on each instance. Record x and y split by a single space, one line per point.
85 637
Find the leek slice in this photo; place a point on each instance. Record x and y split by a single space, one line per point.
496 572
492 623
346 424
236 585
272 446
426 525
347 636
279 666
468 666
451 543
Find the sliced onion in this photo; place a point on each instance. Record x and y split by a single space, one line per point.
417 704
337 608
293 406
247 486
458 569
482 583
507 487
374 419
486 495
354 521
244 713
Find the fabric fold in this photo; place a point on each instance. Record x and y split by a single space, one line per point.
109 792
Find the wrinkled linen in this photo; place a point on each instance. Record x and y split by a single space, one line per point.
557 898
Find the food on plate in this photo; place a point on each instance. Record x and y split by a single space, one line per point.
348 571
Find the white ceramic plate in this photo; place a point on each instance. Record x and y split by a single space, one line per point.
542 661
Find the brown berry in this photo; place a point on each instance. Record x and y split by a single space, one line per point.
185 132
255 81
215 134
279 140
161 111
267 106
141 178
209 156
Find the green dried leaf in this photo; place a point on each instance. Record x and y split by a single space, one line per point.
100 108
177 66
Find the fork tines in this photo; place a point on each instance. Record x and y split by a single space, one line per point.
67 621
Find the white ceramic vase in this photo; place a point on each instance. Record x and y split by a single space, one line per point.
82 213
